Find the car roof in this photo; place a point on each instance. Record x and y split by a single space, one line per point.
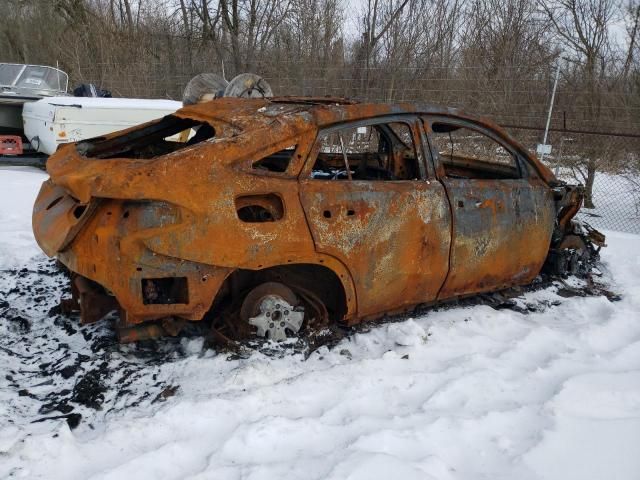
320 111
305 113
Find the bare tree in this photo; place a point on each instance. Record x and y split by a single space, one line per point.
250 25
633 27
504 47
376 19
583 26
491 56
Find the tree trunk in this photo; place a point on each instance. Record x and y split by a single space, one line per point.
588 188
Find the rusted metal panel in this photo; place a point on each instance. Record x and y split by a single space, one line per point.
110 251
394 236
58 217
502 232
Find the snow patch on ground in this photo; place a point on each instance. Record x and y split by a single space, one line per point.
19 187
551 391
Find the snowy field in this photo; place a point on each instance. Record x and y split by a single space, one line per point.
548 389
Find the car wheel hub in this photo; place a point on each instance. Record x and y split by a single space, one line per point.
276 317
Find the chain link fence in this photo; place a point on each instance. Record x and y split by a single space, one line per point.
608 164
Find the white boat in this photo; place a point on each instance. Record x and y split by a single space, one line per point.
53 121
34 107
20 84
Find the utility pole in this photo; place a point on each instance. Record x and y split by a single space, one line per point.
544 148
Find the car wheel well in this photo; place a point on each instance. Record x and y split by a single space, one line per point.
320 280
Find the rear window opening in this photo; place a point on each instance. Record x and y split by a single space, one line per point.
168 135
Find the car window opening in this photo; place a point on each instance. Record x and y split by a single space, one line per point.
469 154
165 136
373 152
277 162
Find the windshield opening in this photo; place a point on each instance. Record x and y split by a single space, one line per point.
39 78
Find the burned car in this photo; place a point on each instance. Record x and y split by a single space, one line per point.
268 216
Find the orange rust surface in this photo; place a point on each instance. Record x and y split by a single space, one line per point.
502 233
391 244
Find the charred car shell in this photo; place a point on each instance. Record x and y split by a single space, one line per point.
336 210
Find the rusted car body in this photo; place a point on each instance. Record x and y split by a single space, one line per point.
339 211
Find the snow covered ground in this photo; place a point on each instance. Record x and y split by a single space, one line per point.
18 189
549 390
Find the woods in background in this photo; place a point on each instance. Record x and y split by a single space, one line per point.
494 57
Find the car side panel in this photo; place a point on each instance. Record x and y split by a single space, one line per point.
502 231
392 236
215 235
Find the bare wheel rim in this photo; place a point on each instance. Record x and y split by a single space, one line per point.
272 308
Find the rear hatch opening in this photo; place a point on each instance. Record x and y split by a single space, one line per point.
167 135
